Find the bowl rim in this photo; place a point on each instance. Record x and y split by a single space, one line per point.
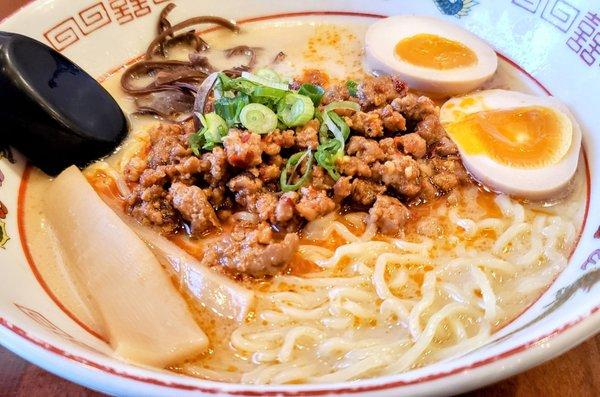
484 371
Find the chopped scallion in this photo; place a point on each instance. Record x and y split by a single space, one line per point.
314 92
287 179
330 149
230 108
239 84
342 105
267 96
326 156
352 87
263 81
196 141
339 124
258 118
269 74
213 130
295 110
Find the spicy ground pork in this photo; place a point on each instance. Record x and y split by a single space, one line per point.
398 155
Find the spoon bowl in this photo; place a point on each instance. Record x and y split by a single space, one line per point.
53 111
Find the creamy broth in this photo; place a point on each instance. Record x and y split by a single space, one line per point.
353 316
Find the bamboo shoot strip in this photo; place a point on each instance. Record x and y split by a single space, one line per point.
148 321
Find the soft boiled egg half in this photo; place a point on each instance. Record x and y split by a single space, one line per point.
515 143
430 54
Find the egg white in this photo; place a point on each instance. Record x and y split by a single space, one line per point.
381 39
533 183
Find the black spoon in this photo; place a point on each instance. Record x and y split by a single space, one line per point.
51 110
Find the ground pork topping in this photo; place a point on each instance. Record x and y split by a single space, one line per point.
314 203
253 252
367 150
368 124
193 205
307 135
397 155
388 214
243 148
379 91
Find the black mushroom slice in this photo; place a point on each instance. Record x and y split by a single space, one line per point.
196 69
163 21
190 37
279 58
170 32
168 88
173 105
164 24
249 52
164 72
172 92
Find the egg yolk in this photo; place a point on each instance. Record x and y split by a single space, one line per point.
527 137
434 52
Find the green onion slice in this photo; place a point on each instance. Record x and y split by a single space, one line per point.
286 179
314 92
226 83
222 84
281 126
337 125
263 81
267 96
212 133
323 130
331 149
326 156
230 108
258 118
269 74
295 110
342 105
352 87
196 141
215 129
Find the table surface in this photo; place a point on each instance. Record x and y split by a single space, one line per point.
576 373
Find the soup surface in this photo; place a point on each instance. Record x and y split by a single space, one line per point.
353 303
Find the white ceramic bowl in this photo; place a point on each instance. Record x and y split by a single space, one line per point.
548 40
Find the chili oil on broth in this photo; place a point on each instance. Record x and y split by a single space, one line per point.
373 305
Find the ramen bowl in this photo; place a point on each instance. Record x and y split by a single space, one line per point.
549 45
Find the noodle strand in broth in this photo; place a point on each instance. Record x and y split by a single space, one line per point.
384 306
